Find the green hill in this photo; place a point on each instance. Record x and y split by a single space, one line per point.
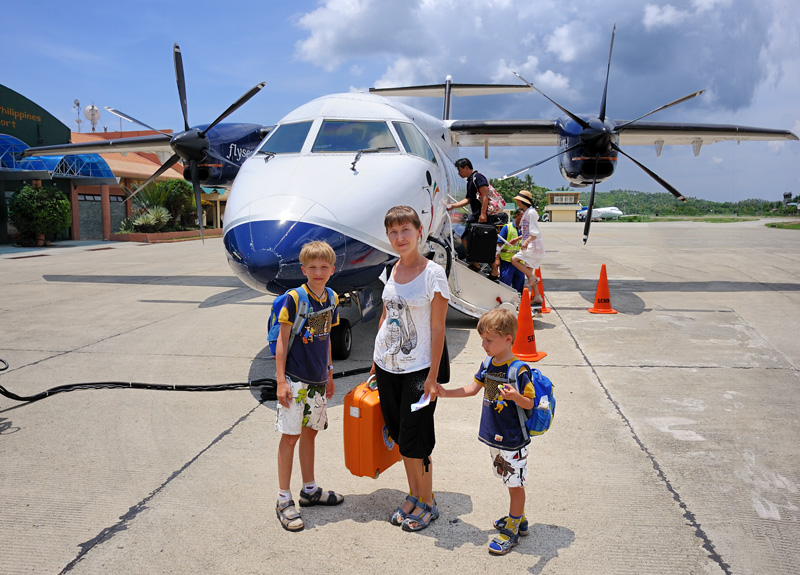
646 203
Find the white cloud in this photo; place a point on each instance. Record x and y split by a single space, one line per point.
701 6
552 83
407 72
505 71
657 17
563 44
343 29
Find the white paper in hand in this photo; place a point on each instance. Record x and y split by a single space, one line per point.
423 402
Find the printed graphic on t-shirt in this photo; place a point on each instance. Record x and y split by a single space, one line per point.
317 325
401 333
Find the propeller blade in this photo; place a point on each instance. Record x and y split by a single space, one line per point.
125 116
164 167
666 185
197 194
580 121
181 81
526 168
608 72
588 222
664 107
235 106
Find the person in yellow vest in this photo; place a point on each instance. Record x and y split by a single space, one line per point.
509 275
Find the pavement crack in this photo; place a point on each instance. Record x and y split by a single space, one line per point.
121 525
687 513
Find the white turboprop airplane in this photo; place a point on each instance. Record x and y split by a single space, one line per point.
332 168
610 213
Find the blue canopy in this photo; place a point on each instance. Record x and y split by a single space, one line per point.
86 169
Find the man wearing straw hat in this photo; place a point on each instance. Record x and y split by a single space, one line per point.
531 252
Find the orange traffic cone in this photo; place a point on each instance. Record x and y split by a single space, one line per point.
602 299
525 343
540 287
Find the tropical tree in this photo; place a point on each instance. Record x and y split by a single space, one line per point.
510 187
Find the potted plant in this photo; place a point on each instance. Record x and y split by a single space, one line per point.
38 212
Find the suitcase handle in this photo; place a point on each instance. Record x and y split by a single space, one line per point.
371 383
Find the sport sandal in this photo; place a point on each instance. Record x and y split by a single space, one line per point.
400 514
500 546
524 530
422 519
288 516
318 497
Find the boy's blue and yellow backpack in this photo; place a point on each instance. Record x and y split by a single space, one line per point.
537 420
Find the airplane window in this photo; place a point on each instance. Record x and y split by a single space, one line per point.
286 139
352 136
413 141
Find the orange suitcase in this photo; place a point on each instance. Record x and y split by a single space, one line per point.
368 451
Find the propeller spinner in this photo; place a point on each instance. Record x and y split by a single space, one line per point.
191 146
599 137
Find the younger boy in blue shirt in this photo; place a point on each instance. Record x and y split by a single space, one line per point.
500 426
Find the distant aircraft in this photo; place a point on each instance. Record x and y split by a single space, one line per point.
332 168
610 213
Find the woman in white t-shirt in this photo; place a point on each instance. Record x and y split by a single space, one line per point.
408 349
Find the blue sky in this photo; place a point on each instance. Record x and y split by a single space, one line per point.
746 53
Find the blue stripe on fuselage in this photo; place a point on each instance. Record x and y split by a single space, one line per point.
265 255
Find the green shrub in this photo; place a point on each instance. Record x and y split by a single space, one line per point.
39 211
126 226
151 220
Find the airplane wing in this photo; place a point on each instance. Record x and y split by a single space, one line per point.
153 143
653 133
504 132
546 133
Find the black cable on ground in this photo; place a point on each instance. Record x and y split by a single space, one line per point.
268 386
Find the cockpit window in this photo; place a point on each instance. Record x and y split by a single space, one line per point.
354 136
286 139
413 141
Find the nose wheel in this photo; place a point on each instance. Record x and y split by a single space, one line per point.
341 340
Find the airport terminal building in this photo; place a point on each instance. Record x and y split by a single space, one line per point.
94 183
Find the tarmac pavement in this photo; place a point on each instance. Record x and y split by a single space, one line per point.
674 448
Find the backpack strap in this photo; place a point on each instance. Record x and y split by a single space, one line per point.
485 365
300 316
513 369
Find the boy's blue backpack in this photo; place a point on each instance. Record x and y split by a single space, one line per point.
537 420
274 326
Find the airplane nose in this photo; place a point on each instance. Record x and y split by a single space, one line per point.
265 254
264 239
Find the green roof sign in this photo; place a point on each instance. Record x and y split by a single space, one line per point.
29 122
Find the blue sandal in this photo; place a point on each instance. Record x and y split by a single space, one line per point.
399 514
501 546
431 512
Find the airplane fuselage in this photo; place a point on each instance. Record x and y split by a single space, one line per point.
330 170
